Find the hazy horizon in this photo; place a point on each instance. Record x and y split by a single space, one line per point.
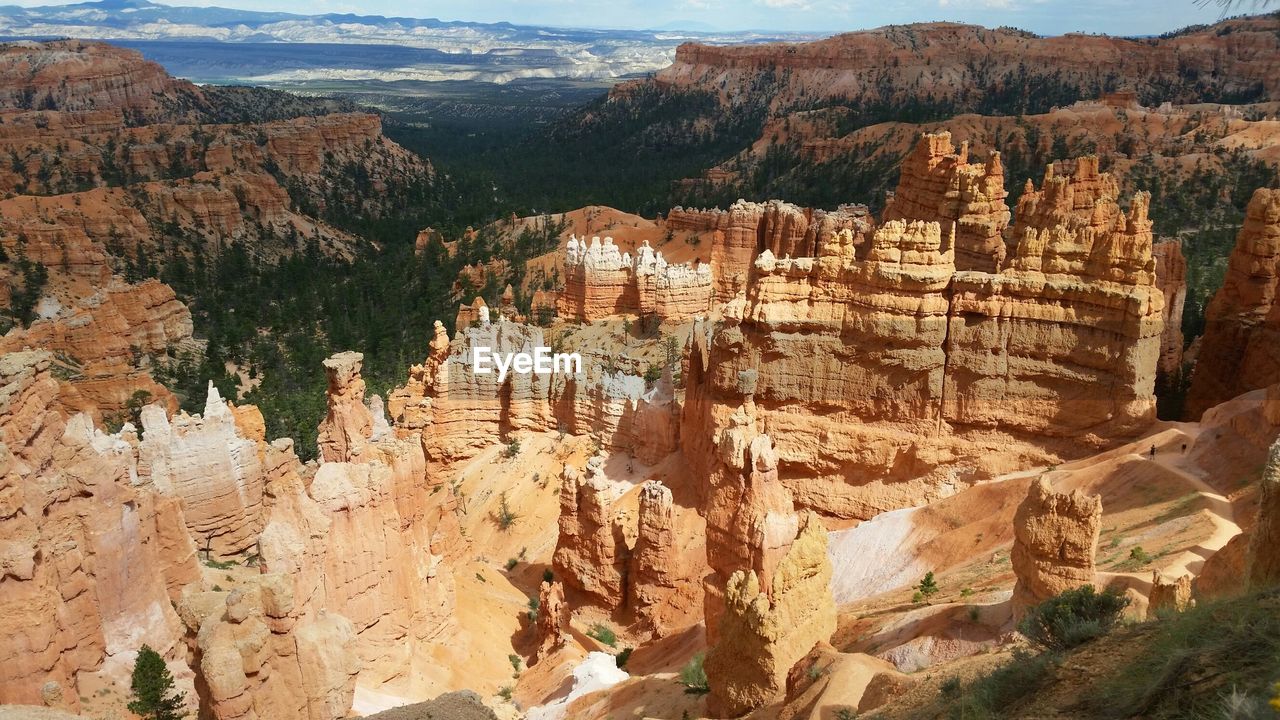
1045 17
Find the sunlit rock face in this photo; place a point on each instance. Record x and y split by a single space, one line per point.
1242 323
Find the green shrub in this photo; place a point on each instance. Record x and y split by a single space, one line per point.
506 692
992 694
1072 618
548 576
151 691
1139 555
928 587
604 634
511 564
694 677
622 657
534 604
512 449
505 516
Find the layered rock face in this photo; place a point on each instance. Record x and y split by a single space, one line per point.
1242 323
113 160
766 628
365 538
1171 278
1064 342
260 660
944 61
894 369
106 341
656 582
747 229
967 200
591 552
1055 539
216 470
90 562
1262 562
602 281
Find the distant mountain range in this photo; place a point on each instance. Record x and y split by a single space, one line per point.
283 48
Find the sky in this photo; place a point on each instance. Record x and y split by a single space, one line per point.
1046 17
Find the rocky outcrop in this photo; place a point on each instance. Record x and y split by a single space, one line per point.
602 281
747 229
551 624
1242 323
656 581
1168 595
1262 562
1171 278
259 659
89 560
770 624
109 340
348 425
591 551
1055 539
213 467
1064 342
939 184
942 62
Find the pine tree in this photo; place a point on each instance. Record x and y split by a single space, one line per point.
928 587
154 697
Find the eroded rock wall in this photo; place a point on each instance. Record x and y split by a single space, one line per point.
1242 323
1055 539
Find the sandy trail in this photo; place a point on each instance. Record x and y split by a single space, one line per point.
1220 512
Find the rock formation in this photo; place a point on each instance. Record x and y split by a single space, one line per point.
1168 595
885 371
1262 562
1171 278
1055 539
260 659
935 62
1080 278
348 425
552 621
768 625
591 551
602 281
939 184
90 562
209 463
1242 323
747 229
656 581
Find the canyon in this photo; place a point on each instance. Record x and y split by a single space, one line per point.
809 453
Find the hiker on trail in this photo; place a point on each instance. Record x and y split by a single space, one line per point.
1153 452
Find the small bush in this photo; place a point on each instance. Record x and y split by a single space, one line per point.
1072 618
928 587
534 604
512 450
950 686
622 657
917 597
548 576
511 564
991 695
1137 554
694 677
506 692
604 634
515 661
506 517
846 713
